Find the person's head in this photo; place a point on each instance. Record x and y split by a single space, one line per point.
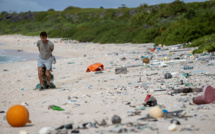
43 36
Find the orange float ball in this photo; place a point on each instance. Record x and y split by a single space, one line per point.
17 116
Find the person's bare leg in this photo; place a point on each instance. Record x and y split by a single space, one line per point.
40 75
48 75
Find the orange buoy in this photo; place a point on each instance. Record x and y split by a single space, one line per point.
152 50
17 116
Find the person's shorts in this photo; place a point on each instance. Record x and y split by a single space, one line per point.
44 63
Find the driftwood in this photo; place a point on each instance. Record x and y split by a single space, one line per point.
121 70
151 74
171 61
179 50
187 90
133 65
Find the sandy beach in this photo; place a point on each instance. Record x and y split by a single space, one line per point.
90 97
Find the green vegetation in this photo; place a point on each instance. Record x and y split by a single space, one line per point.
168 24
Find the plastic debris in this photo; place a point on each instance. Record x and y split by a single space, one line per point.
207 97
179 114
172 127
121 70
168 76
147 118
174 121
146 60
150 101
116 119
53 107
23 132
47 130
95 67
186 67
156 112
66 126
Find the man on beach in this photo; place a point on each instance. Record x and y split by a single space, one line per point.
44 59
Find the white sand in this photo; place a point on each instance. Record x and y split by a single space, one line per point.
109 93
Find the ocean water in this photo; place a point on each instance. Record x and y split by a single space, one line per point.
8 56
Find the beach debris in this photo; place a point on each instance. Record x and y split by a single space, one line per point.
151 74
192 57
174 121
172 127
123 58
150 101
5 70
156 112
147 118
178 113
23 132
24 104
95 67
75 132
168 76
162 64
65 126
186 75
47 130
186 67
211 62
17 116
119 130
141 108
38 86
71 63
54 107
189 128
187 90
133 113
165 58
207 97
121 70
102 122
183 99
199 71
2 111
146 60
116 119
170 61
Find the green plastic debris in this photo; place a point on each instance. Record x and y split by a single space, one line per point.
71 63
57 108
38 86
187 84
186 74
141 108
117 125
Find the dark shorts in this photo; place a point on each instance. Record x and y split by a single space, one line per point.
44 63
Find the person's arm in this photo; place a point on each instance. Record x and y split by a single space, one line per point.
52 47
38 45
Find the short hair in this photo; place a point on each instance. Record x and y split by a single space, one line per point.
43 34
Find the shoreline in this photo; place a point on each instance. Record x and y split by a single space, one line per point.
13 55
